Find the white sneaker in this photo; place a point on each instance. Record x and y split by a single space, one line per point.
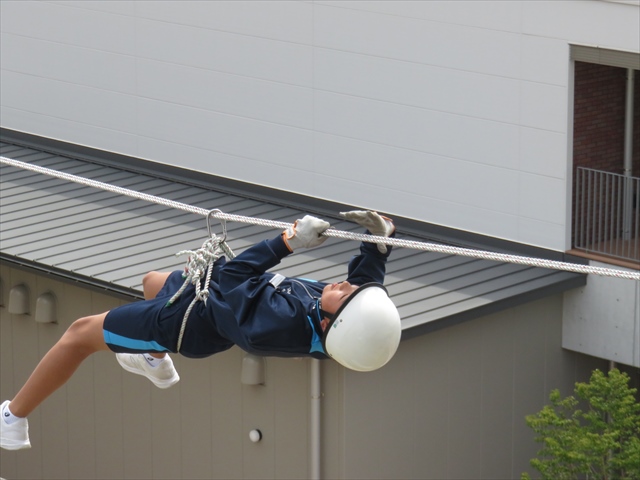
162 376
16 435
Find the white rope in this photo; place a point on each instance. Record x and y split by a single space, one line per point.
425 246
199 262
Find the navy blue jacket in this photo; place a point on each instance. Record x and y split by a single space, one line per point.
261 318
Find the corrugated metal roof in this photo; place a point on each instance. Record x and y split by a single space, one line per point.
110 241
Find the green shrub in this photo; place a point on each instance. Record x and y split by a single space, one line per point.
601 442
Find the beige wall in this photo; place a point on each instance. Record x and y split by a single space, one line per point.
106 423
451 404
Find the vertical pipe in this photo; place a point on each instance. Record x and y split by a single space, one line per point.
315 433
589 242
636 329
636 254
628 153
577 231
582 212
607 197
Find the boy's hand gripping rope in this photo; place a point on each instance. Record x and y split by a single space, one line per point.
430 247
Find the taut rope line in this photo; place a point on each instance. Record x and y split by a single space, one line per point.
425 246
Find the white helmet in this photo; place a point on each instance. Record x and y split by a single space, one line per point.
365 331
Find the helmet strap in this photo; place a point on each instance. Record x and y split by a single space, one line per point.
324 313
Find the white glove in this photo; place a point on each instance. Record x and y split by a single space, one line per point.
372 221
305 233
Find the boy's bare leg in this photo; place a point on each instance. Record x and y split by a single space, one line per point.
83 338
152 283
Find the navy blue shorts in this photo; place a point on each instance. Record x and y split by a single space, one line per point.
150 326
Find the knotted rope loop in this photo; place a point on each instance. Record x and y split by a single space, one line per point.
200 263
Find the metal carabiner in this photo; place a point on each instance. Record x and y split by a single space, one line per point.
222 222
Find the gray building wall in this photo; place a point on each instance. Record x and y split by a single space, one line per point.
450 405
603 319
106 424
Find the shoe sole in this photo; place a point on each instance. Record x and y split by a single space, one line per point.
15 446
158 383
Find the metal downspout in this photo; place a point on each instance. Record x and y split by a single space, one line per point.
314 441
628 154
636 329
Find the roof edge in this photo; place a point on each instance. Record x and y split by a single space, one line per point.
73 278
572 281
424 230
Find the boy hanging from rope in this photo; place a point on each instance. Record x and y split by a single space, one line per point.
354 321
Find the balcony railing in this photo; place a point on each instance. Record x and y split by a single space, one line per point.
607 214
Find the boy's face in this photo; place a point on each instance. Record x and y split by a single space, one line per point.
333 296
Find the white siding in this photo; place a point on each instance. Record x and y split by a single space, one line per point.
454 113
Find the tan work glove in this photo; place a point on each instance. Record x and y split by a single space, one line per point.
374 222
305 233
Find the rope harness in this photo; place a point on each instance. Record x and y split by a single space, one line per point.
200 262
425 246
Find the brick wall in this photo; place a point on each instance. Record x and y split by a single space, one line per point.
599 119
599 114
